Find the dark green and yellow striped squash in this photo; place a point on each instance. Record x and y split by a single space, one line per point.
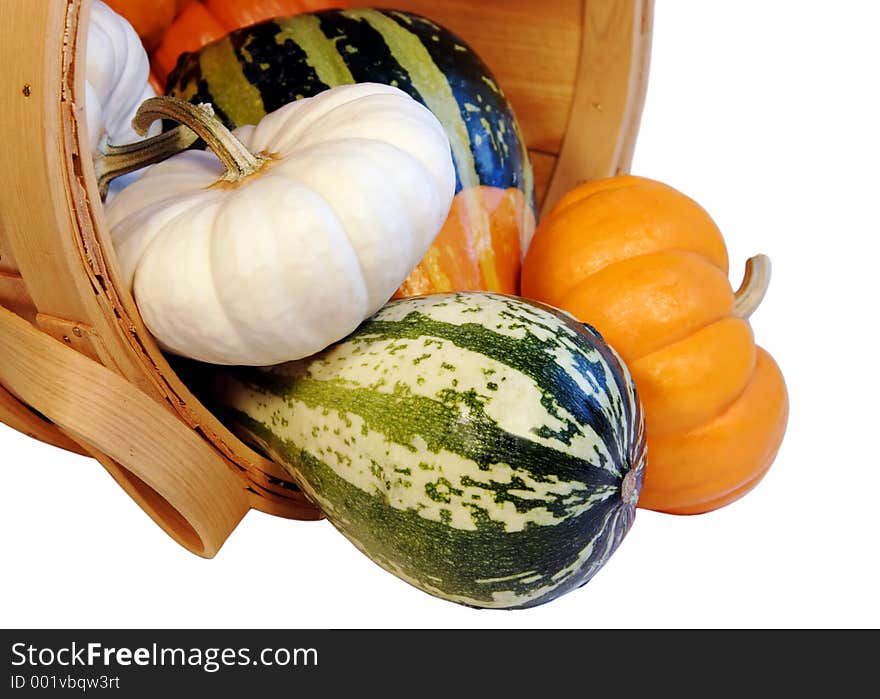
486 449
255 70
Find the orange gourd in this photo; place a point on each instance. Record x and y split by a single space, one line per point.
460 260
201 22
647 267
149 18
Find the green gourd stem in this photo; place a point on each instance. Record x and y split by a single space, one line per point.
753 288
197 121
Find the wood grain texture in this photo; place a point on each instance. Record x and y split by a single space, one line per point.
611 84
543 165
78 336
15 296
638 86
24 419
32 196
41 212
176 471
7 259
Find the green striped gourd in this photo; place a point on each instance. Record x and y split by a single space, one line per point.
486 449
255 70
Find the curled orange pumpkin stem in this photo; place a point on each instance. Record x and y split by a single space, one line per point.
754 286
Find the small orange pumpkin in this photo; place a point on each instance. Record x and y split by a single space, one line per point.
647 267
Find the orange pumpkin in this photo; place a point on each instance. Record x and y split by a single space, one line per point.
201 22
647 267
149 18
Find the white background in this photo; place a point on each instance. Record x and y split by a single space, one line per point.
767 114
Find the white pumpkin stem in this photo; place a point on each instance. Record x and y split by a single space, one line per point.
754 286
115 161
197 121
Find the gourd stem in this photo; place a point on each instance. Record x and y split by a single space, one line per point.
236 158
115 161
197 121
754 286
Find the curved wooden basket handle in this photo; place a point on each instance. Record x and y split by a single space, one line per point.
612 80
177 478
27 421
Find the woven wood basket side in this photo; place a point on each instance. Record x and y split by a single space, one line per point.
77 367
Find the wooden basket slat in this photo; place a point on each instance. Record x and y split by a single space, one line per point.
607 104
27 421
7 259
174 472
14 295
39 215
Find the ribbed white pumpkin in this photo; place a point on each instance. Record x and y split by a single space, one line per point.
292 258
117 81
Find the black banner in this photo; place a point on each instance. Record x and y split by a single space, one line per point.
134 663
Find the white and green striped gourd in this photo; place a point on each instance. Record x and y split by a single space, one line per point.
487 449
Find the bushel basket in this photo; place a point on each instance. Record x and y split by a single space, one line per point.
79 370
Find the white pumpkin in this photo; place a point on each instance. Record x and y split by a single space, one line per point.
117 81
283 262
